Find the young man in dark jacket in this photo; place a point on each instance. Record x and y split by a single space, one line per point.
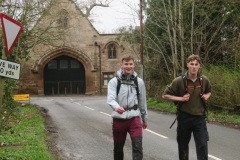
127 106
191 94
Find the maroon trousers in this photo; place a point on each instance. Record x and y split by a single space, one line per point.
120 129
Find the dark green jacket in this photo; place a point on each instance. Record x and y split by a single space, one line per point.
195 105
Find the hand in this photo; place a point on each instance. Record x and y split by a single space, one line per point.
186 97
144 125
204 97
120 110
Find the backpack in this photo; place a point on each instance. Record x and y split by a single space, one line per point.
185 82
135 82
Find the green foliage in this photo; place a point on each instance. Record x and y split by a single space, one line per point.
225 87
9 110
214 115
129 34
161 105
26 139
223 116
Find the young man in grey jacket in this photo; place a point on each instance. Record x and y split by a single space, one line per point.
127 107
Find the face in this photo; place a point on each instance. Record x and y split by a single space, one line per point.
193 67
127 67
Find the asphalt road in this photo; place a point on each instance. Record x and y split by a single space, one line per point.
84 132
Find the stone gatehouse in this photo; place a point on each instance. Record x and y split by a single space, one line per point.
81 61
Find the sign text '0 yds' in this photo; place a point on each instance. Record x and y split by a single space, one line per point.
9 69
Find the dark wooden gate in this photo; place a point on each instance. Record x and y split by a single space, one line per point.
64 75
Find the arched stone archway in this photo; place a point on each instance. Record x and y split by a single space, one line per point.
46 57
68 54
64 75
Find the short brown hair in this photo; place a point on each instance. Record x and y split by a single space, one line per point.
194 57
127 58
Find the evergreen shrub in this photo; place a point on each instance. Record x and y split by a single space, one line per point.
225 87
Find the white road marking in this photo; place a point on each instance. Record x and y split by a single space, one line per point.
88 108
105 113
213 157
84 106
156 133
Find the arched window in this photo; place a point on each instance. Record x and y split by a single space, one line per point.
112 52
63 19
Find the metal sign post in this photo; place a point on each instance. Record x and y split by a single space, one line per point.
2 81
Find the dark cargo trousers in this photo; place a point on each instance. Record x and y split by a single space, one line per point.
120 129
188 124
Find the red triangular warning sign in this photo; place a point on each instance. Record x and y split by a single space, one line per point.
11 31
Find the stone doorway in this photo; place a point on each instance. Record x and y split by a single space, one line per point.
64 76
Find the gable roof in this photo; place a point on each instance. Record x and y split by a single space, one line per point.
55 2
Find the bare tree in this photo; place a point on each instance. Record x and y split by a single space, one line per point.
87 6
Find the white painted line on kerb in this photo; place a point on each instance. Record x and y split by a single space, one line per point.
88 108
214 157
156 133
105 114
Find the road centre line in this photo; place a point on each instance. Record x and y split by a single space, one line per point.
84 106
213 157
105 114
88 108
77 103
156 133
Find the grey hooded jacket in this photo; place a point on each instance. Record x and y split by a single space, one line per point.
127 98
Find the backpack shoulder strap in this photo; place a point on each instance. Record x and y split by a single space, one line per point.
201 83
118 84
185 82
136 83
179 90
203 102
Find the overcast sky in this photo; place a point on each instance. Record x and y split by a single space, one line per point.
120 13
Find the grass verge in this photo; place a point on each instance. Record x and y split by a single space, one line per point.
216 115
26 139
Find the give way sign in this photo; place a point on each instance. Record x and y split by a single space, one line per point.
11 31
